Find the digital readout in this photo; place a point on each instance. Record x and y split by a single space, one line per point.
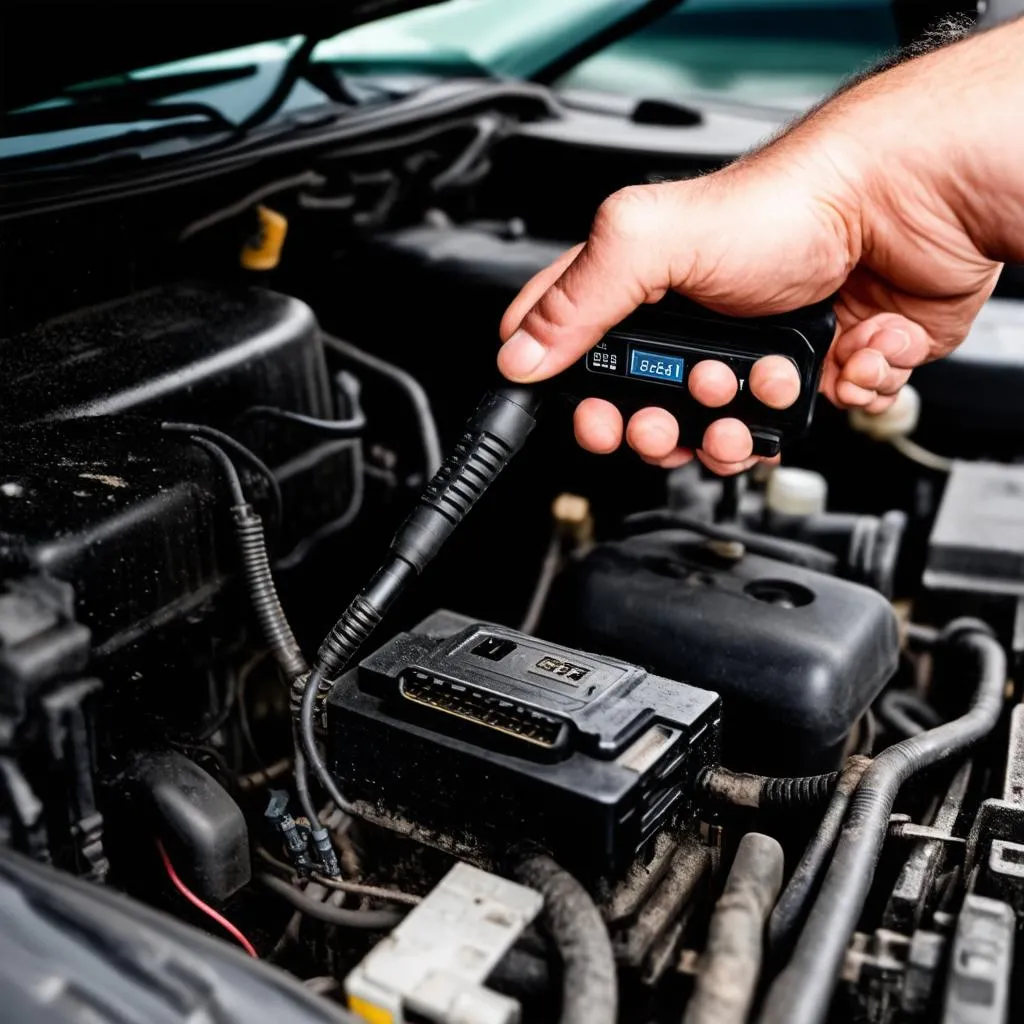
656 366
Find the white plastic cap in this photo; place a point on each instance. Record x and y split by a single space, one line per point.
796 492
899 420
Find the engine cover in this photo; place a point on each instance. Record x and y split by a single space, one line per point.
796 655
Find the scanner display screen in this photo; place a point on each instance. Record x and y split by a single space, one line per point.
656 366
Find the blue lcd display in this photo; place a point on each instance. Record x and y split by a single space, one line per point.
656 366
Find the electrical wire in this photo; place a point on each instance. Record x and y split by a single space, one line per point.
351 427
429 436
304 546
245 454
542 589
220 719
341 917
204 907
226 465
372 891
308 179
273 104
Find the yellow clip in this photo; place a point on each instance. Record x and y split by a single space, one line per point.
370 1013
264 251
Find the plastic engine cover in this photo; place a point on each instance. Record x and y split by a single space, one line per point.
796 655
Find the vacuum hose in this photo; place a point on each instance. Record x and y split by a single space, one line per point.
731 961
802 992
589 985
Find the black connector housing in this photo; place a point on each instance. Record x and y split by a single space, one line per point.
495 738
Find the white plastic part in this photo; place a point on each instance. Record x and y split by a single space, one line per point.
796 492
899 420
434 964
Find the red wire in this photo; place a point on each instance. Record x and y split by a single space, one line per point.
204 907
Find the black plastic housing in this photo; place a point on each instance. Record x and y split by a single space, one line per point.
201 353
670 337
796 655
975 560
495 738
136 519
200 825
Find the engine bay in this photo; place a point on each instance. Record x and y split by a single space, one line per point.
624 723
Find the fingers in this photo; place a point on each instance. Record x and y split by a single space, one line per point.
571 305
598 426
775 381
872 360
712 383
533 290
653 434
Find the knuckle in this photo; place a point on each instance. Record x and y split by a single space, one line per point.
625 214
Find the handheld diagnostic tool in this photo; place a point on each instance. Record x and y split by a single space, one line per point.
648 358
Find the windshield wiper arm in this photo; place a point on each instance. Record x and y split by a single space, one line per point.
160 86
90 115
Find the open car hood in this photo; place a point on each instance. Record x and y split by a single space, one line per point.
46 47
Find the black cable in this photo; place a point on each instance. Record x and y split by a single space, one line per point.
245 454
429 436
731 961
717 783
220 719
266 605
302 784
494 433
282 88
789 912
351 427
227 467
589 984
252 548
309 179
907 713
340 917
802 992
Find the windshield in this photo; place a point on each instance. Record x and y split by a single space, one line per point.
788 52
782 53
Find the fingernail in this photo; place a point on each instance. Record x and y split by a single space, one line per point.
891 342
520 355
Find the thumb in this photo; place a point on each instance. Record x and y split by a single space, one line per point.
746 241
568 307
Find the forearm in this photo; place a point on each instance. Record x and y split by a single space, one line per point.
952 123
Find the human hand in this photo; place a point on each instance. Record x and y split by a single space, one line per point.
874 196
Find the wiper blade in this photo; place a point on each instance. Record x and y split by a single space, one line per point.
159 86
94 115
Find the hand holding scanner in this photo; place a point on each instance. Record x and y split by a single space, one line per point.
648 358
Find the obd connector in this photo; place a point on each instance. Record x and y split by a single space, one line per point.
485 737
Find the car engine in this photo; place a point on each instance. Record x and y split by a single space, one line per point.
633 746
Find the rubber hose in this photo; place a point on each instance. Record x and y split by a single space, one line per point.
731 962
589 984
802 992
742 790
789 911
341 917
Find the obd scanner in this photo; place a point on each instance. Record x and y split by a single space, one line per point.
648 358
